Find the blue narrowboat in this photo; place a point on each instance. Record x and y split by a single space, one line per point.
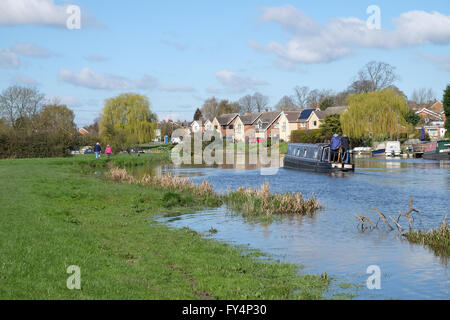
317 158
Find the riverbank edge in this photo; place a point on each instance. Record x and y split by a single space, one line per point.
55 217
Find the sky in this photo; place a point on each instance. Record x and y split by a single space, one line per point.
180 53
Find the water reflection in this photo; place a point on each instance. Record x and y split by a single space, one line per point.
330 241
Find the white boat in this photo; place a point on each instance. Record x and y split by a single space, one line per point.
393 149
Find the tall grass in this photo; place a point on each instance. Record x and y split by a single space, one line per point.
437 240
254 201
248 201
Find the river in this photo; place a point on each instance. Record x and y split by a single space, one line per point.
331 241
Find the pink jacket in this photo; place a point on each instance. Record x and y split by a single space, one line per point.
108 150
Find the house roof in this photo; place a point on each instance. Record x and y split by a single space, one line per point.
292 116
305 114
436 107
430 113
225 119
250 118
267 118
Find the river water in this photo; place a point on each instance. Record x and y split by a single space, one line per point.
331 241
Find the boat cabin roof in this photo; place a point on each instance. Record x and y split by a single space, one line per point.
305 150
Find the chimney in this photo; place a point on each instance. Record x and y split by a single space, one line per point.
267 110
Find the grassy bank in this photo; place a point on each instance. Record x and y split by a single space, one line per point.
436 240
53 216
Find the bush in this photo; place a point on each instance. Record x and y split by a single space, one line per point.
306 136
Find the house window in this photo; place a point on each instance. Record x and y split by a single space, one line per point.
215 127
315 123
239 127
276 126
231 127
283 128
303 125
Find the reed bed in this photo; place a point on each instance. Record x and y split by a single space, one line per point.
169 182
437 240
248 201
254 201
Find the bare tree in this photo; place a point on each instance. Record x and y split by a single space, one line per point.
379 75
422 95
301 96
316 97
360 86
260 101
247 104
19 104
286 104
209 108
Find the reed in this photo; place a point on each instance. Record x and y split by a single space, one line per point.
254 201
437 240
248 201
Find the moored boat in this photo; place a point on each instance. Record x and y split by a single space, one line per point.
437 150
317 158
379 153
393 149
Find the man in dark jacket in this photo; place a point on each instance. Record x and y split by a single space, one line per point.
335 145
346 148
97 150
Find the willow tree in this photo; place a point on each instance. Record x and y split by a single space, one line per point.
127 120
375 114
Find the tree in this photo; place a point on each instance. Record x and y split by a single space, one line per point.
58 122
301 96
20 105
360 86
260 101
327 103
285 104
209 108
247 104
422 96
330 126
225 107
127 120
377 76
198 114
446 102
315 97
374 114
412 117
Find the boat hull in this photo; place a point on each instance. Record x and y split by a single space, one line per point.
436 156
379 153
316 166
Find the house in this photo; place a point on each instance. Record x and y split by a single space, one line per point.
197 126
267 125
434 129
249 120
433 112
309 120
83 131
225 124
288 122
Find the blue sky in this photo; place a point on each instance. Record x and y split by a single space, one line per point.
180 53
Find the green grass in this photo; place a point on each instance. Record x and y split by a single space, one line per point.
436 240
53 216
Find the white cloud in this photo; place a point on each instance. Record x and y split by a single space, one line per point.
89 79
40 12
311 42
30 50
8 59
233 83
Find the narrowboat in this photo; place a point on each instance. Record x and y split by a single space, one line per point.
437 150
379 153
316 158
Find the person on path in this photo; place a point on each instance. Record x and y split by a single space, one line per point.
97 150
108 150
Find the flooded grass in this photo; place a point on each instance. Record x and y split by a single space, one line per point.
248 201
437 240
254 201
